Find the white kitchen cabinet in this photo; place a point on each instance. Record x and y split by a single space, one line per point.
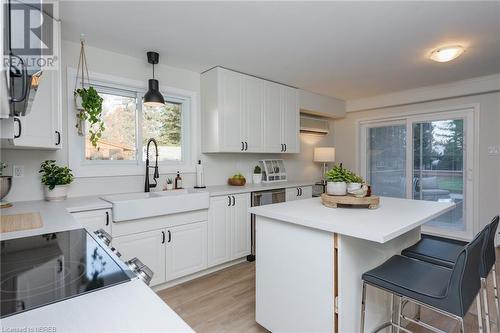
229 226
149 247
298 193
41 128
290 119
241 226
242 113
186 249
94 220
219 230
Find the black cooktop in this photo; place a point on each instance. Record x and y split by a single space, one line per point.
44 269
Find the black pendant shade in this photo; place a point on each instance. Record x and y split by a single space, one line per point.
153 97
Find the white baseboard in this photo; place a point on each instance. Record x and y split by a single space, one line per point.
196 275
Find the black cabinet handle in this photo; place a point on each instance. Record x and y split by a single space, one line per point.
246 146
242 146
297 192
285 147
229 202
234 200
20 127
300 191
163 237
282 147
58 138
60 263
107 218
169 236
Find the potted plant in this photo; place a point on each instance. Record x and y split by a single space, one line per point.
354 182
170 184
336 179
257 175
89 106
56 180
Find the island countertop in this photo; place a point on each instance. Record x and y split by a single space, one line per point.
393 218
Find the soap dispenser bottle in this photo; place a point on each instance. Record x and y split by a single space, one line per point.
178 181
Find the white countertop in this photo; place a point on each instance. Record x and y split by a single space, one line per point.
393 218
217 190
55 215
127 307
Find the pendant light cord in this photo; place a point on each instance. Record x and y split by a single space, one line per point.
153 71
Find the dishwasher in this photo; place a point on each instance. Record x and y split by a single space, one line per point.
262 198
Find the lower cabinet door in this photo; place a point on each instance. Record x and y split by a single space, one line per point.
93 220
241 227
219 230
306 192
149 247
186 249
292 193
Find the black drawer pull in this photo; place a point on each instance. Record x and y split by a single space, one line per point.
169 236
163 237
20 128
58 138
107 218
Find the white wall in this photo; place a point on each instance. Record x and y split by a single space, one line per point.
489 134
218 166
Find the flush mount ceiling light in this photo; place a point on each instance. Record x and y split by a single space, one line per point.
448 53
153 97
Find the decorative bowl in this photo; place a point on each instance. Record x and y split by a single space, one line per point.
236 181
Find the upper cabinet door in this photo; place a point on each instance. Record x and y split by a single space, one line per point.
272 118
253 97
290 119
231 115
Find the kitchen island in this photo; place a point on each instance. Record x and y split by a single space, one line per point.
310 258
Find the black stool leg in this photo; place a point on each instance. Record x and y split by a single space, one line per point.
363 308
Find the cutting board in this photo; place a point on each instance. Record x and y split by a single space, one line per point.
18 222
333 201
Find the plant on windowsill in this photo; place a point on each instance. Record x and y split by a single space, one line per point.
56 180
337 178
88 103
257 175
170 184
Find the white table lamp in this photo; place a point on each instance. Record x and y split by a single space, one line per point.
325 155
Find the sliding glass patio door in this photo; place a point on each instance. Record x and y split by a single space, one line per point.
426 157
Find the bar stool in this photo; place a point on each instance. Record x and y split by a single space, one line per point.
444 252
443 290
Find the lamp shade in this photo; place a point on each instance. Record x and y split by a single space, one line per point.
324 154
153 97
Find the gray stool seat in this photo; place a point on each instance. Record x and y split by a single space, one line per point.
418 280
436 250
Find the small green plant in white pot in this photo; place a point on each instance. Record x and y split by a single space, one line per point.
257 175
336 180
170 184
354 182
56 180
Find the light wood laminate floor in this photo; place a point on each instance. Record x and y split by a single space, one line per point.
224 301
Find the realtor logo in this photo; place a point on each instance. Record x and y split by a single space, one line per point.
31 28
31 35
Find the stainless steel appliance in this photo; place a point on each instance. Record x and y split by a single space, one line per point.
262 198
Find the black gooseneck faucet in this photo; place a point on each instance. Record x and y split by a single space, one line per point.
156 174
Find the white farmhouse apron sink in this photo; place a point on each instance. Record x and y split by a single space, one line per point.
132 206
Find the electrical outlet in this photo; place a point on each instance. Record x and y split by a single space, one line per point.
18 171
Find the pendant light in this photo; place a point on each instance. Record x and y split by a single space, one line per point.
153 97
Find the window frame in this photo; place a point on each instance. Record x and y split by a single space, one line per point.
103 168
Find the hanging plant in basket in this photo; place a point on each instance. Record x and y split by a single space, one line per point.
88 103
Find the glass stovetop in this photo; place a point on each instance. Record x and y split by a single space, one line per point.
40 270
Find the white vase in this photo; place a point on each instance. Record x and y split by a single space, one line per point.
257 178
78 103
336 188
170 186
59 193
353 186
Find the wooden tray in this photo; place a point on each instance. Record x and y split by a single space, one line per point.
333 201
18 222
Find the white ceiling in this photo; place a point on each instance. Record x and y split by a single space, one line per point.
342 49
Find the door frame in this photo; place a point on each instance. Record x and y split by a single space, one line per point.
470 114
